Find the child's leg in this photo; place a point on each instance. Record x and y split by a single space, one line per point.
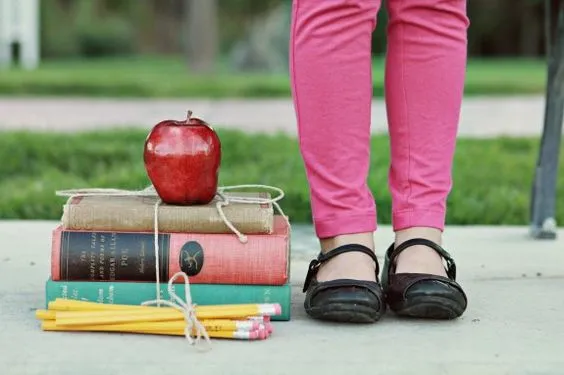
331 74
426 63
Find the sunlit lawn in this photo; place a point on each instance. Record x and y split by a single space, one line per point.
169 77
492 177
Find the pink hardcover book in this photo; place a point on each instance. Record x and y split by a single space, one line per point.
206 258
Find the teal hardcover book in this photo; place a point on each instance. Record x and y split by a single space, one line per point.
135 293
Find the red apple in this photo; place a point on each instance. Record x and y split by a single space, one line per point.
182 160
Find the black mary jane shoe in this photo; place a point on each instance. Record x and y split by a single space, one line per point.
420 295
343 300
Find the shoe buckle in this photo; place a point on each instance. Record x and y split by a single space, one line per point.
451 269
311 272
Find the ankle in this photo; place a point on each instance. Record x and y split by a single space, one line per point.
351 265
419 258
432 234
366 239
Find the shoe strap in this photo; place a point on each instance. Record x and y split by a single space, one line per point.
393 252
324 257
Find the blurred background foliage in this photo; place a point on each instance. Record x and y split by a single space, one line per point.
123 27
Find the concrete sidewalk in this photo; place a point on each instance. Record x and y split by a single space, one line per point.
480 117
513 325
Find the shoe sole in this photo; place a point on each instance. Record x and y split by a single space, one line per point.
345 313
431 307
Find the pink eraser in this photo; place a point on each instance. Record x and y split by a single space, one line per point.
262 334
253 335
269 327
277 309
255 326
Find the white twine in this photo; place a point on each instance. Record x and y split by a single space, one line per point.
186 306
222 201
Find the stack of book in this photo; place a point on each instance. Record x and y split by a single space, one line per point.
103 251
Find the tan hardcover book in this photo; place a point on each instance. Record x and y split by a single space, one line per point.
136 213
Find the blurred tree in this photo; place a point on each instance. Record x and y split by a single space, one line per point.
238 16
520 33
102 31
166 26
531 25
264 47
202 35
56 41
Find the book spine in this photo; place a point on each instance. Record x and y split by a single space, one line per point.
202 294
205 258
248 219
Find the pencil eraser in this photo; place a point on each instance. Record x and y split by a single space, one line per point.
269 327
277 309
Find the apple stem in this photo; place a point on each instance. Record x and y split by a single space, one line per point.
188 116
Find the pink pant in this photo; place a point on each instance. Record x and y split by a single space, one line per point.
332 89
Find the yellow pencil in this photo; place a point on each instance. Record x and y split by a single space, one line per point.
230 325
79 318
51 314
78 313
215 325
124 316
209 324
77 305
50 325
202 312
45 314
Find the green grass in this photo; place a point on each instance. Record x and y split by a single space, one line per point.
492 178
168 77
